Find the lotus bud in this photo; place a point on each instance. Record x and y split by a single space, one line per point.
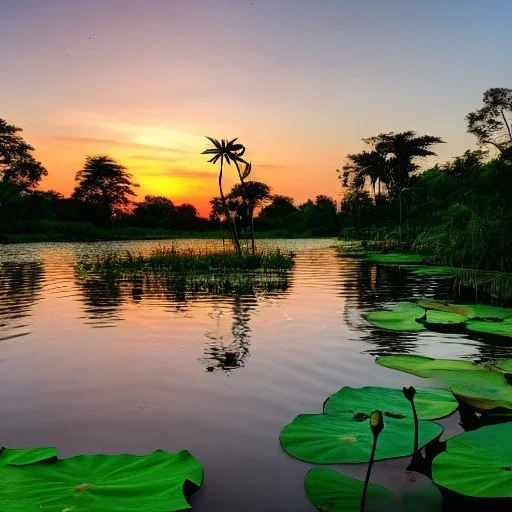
409 393
376 422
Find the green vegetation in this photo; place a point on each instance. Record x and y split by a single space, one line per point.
334 492
431 403
436 315
171 260
458 214
402 316
477 463
185 272
336 438
37 479
474 464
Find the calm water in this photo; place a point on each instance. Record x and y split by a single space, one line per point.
91 366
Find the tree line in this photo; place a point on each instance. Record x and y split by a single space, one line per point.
104 199
459 212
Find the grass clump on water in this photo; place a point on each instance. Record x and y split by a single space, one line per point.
187 261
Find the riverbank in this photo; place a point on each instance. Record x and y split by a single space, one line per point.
85 232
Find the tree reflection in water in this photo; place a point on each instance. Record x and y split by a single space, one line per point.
105 294
228 354
20 288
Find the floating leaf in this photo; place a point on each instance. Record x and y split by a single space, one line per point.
427 270
23 456
481 385
347 438
422 366
394 257
443 320
472 311
402 316
99 483
430 403
503 328
477 463
330 491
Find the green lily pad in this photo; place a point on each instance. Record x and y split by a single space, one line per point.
402 316
347 438
472 311
430 403
395 257
503 328
480 385
330 491
99 483
443 319
477 463
434 270
24 456
422 366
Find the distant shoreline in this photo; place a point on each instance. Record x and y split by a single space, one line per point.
122 235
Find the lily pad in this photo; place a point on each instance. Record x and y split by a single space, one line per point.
402 316
330 491
503 328
24 456
443 320
347 438
434 270
477 463
472 311
422 366
97 483
395 257
480 385
430 403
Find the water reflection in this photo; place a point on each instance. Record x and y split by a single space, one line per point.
20 289
368 286
228 353
233 297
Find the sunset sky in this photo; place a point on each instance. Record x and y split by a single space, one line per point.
300 82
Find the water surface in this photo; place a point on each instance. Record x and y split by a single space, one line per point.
92 366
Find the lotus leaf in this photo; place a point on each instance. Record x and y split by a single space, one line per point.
402 316
442 319
395 257
477 463
347 438
427 270
430 403
330 491
472 311
481 385
503 328
23 456
97 483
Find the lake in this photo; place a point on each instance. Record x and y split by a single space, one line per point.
90 366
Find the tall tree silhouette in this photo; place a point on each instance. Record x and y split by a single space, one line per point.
104 186
492 124
249 195
367 165
18 168
228 151
401 150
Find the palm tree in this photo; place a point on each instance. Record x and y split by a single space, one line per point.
230 152
401 149
364 165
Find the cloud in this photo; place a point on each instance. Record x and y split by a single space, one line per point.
176 173
119 144
268 166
